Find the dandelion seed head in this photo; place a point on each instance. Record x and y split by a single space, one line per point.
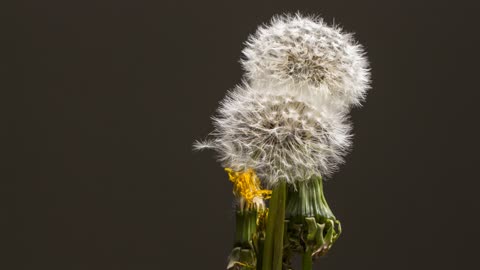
302 53
278 136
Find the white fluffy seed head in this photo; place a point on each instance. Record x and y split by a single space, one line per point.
305 54
280 137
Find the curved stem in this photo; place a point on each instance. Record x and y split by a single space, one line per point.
307 260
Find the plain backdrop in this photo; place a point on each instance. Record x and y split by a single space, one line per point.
103 100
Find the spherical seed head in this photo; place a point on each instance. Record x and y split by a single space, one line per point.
305 53
280 137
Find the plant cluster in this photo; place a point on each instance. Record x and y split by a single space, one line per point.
282 132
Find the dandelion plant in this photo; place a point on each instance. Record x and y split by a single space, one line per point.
284 131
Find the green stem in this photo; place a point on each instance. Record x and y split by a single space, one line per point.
268 244
279 227
273 246
307 260
260 253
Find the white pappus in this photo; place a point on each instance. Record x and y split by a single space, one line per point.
279 136
304 54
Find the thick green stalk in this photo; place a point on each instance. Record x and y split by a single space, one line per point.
268 244
279 227
273 246
307 262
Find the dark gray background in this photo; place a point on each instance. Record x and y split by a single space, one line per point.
104 99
